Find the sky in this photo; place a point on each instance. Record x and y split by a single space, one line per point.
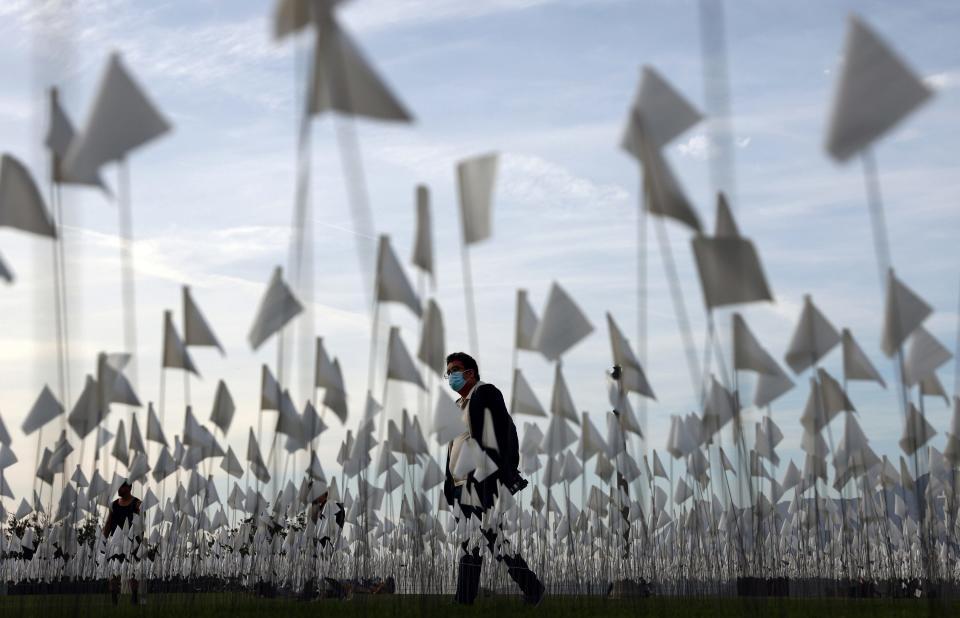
545 83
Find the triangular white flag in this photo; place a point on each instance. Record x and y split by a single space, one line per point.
664 194
400 365
164 467
432 351
343 80
392 282
114 386
138 468
269 390
313 425
7 457
154 430
121 119
561 403
856 363
770 388
120 451
336 398
875 91
924 355
447 422
196 331
658 469
44 409
659 111
916 431
87 412
21 205
175 355
904 312
324 374
289 422
432 475
60 134
524 400
748 354
730 271
231 465
726 225
813 338
195 434
632 376
591 442
223 407
558 437
658 115
466 461
930 386
277 307
562 326
136 444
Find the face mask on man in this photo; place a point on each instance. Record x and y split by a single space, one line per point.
456 380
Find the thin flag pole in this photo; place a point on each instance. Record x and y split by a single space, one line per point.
469 299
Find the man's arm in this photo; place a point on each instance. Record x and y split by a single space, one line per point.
448 481
108 523
504 429
489 397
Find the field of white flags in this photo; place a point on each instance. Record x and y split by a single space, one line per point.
295 470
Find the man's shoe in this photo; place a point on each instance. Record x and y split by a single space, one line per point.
536 598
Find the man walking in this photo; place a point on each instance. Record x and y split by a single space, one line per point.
476 398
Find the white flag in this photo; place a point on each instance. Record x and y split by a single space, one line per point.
277 307
475 182
122 118
875 91
21 205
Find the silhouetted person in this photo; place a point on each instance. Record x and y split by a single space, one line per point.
476 397
122 511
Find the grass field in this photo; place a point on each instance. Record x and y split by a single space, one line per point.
242 605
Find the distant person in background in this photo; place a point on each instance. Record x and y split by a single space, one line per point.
476 397
122 511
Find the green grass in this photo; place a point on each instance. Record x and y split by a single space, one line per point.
243 606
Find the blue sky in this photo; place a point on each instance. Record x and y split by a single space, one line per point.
544 82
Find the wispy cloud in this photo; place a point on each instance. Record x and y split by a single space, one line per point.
535 181
700 147
945 80
14 109
375 15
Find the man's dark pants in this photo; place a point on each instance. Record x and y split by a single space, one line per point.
468 575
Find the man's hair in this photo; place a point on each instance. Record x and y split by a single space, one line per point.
466 360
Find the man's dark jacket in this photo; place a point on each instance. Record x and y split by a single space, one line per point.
488 397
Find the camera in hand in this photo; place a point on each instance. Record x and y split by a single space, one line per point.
513 481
